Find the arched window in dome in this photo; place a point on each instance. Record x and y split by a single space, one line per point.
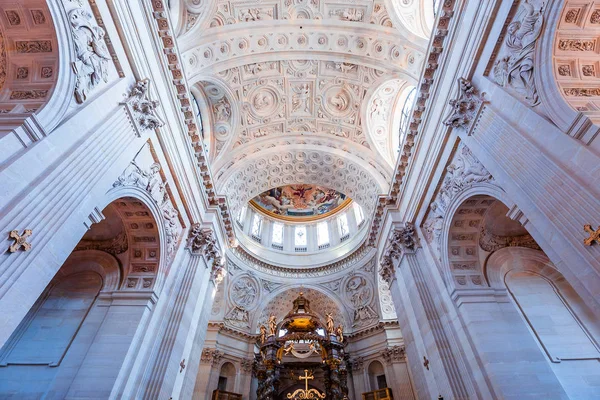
343 227
358 213
322 235
256 227
300 236
277 237
409 102
242 215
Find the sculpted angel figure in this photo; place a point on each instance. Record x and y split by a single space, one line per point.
517 67
263 334
91 66
272 325
329 323
339 333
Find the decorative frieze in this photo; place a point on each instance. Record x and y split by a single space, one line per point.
114 246
28 94
576 45
582 92
33 46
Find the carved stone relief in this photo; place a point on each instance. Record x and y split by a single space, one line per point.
463 172
358 294
151 181
91 66
394 354
143 110
514 66
465 108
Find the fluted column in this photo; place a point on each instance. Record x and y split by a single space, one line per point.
434 354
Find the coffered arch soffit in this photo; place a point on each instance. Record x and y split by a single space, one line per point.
284 165
412 17
273 98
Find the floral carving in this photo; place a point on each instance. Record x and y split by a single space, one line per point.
466 107
38 17
576 45
595 17
33 46
571 15
91 66
114 246
143 109
403 240
28 94
564 70
13 17
491 242
582 92
515 67
211 356
394 354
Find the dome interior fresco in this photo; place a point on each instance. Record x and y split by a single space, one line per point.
300 201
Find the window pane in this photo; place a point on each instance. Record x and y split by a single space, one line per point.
322 233
406 109
343 225
300 236
242 214
358 213
256 225
277 233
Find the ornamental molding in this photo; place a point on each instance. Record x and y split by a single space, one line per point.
115 246
465 108
141 109
380 327
301 272
490 242
394 354
428 80
211 356
202 241
463 172
401 241
151 181
180 86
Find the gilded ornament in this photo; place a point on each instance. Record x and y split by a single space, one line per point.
20 240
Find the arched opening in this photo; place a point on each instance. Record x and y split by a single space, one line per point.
377 379
89 313
227 378
488 250
556 316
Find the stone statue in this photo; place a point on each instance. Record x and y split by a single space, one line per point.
263 334
329 323
91 65
272 325
339 333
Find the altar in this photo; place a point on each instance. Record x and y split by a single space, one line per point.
301 357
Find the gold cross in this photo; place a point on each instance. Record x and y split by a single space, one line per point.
306 377
594 235
20 240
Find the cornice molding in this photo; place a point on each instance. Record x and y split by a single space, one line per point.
428 78
181 88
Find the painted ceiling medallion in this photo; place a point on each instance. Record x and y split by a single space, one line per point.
300 202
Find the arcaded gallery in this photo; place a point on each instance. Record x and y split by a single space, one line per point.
300 199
